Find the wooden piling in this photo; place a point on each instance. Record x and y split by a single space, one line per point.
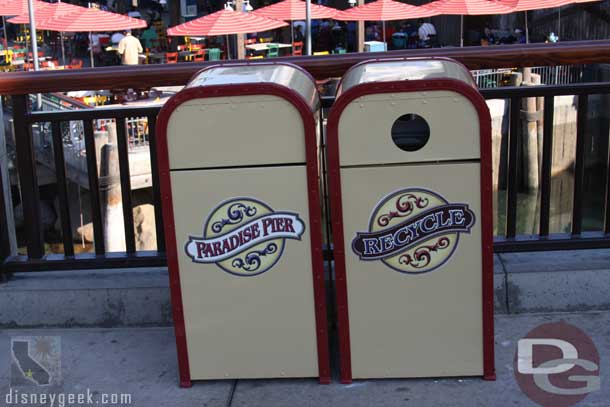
114 235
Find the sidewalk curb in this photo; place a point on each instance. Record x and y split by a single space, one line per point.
561 281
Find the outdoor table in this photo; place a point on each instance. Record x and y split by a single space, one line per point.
265 46
156 57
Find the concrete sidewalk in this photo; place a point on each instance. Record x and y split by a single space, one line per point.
142 362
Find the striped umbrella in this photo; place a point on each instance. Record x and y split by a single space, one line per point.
46 11
291 10
15 8
225 22
385 10
18 7
90 20
471 8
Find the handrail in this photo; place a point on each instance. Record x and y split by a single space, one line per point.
321 67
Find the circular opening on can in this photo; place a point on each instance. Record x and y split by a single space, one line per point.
410 132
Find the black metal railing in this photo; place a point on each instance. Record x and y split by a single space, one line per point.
36 258
577 238
508 239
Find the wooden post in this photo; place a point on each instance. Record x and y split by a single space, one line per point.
360 30
114 236
240 43
530 136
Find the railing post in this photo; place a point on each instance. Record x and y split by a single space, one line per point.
26 164
5 244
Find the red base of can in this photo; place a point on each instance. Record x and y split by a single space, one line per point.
186 384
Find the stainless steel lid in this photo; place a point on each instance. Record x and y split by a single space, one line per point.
283 74
389 70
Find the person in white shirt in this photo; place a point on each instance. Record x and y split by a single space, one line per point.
129 49
425 30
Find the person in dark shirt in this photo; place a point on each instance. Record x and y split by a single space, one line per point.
298 34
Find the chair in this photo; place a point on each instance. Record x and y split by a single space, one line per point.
196 47
339 51
254 57
199 56
214 54
273 51
321 53
297 48
171 57
76 64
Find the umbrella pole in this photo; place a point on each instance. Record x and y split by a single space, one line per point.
308 25
5 36
383 39
461 31
34 47
63 52
91 50
27 42
527 31
228 49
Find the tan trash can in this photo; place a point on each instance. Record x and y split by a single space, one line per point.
239 181
410 183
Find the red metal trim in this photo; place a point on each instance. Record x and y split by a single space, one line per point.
337 208
315 216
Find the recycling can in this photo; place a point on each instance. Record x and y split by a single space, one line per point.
239 181
410 187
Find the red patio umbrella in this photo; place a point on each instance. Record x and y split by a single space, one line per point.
291 10
90 20
15 8
385 10
225 22
46 11
471 8
18 7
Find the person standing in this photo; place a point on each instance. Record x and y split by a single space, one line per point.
129 49
425 31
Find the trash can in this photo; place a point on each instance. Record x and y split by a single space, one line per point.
240 189
410 188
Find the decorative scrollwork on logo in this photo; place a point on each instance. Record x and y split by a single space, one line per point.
252 260
405 204
235 214
422 256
